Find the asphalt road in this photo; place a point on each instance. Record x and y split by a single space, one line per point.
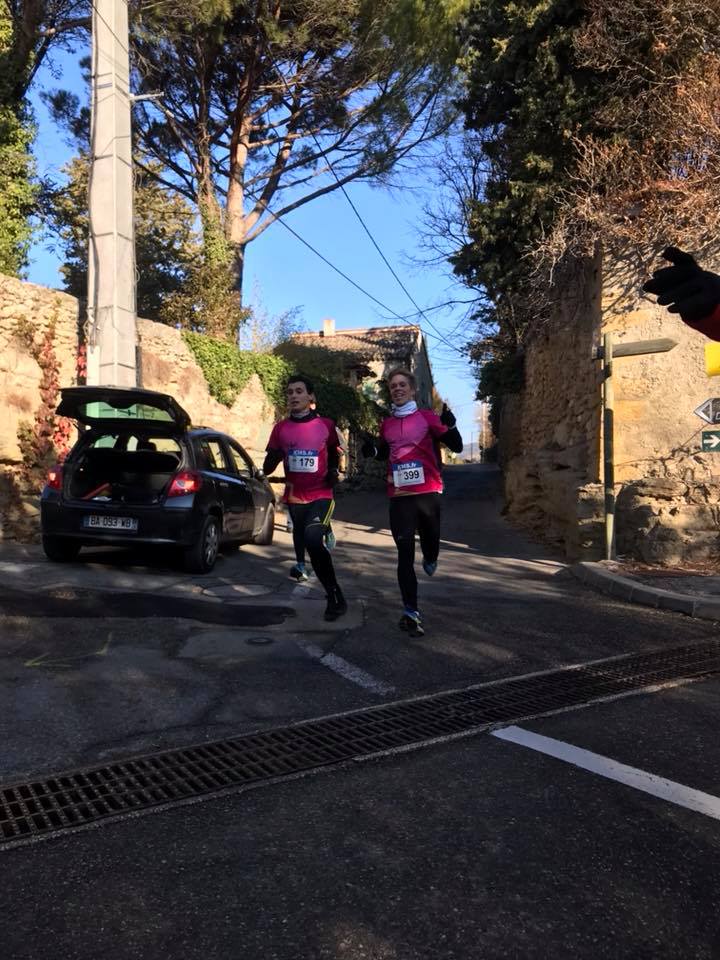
477 848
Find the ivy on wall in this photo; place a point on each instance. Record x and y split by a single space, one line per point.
227 371
348 406
48 438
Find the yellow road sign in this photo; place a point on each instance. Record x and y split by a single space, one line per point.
712 359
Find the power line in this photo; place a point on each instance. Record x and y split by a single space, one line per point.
439 336
341 272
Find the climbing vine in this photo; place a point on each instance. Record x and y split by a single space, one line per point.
47 439
227 371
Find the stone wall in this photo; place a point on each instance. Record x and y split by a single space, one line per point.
19 373
166 365
551 433
549 439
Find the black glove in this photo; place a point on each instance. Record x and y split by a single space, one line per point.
447 417
369 448
686 288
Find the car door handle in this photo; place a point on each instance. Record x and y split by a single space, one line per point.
224 483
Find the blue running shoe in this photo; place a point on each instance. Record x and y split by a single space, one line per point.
330 540
298 572
429 566
411 622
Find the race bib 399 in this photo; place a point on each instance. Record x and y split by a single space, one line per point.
408 474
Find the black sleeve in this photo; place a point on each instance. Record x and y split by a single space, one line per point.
375 448
452 440
271 461
333 465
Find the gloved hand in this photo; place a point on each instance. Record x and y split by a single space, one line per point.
687 289
447 417
369 447
332 477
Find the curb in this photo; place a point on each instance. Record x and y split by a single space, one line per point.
632 591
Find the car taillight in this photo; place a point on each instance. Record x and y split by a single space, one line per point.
187 481
54 477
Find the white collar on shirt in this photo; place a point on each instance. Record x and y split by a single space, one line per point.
405 410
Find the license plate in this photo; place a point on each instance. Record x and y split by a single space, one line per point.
128 524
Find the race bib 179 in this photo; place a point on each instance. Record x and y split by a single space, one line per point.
303 461
408 474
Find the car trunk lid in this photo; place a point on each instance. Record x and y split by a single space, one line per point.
108 406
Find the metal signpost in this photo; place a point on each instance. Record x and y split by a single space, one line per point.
608 353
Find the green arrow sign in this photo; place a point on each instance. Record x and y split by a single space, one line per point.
711 440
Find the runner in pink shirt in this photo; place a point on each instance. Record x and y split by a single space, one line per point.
409 441
309 448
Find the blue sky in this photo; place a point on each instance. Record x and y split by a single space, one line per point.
281 273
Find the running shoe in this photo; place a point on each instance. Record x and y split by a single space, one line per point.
330 540
336 605
411 622
429 566
298 572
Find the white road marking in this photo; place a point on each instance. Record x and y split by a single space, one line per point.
667 790
338 664
349 671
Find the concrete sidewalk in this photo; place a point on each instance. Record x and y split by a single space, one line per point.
696 594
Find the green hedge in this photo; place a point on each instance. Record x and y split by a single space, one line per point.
227 370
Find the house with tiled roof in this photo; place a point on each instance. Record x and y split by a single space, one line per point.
370 353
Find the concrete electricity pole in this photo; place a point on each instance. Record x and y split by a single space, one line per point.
483 419
112 328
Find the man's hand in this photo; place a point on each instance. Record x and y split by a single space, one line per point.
332 477
687 289
447 417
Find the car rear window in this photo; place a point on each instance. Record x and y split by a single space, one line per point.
132 442
102 410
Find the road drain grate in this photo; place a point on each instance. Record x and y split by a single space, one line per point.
70 800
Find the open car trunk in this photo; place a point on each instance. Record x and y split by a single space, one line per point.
105 475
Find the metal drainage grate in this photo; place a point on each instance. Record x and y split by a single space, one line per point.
71 800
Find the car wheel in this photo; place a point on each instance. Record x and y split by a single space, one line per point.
201 556
267 532
60 549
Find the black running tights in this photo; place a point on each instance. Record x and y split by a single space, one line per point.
416 512
310 521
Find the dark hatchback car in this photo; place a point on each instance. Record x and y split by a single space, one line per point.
139 474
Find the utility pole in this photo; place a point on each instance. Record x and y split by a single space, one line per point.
483 414
112 327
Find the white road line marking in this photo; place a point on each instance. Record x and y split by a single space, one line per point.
668 790
355 674
349 671
338 664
